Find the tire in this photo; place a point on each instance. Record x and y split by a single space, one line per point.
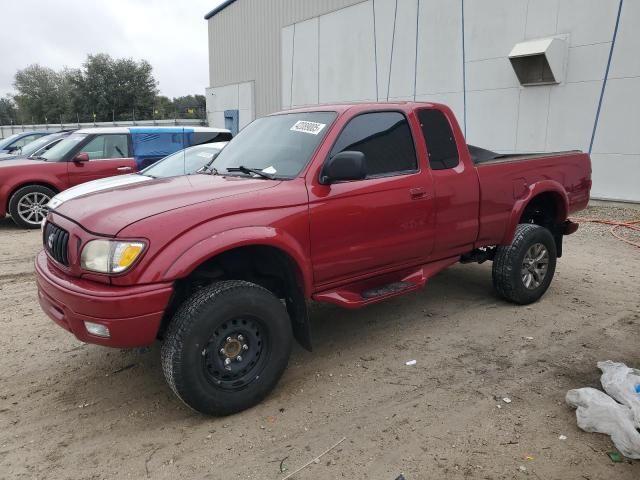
197 345
519 272
27 205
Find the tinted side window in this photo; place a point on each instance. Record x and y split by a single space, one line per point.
441 145
384 138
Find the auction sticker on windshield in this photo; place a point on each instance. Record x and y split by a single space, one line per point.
305 126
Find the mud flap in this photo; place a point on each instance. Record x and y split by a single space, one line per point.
300 323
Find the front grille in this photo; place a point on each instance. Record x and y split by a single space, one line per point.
56 242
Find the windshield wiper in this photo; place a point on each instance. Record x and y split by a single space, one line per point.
249 171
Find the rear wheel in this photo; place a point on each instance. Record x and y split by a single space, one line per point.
28 205
523 271
227 347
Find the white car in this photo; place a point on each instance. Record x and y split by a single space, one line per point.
184 162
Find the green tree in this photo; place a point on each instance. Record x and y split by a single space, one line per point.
42 93
163 107
119 89
8 112
190 106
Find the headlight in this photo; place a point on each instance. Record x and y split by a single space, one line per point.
110 256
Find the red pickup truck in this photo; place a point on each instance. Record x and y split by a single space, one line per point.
345 204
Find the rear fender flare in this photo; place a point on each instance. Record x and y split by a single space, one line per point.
535 189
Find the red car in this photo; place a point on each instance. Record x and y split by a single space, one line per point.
27 185
345 204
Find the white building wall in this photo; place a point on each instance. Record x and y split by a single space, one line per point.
237 96
616 147
456 52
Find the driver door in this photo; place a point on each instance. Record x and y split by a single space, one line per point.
109 155
383 221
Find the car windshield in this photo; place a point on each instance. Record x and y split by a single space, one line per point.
6 141
57 153
278 145
32 147
184 162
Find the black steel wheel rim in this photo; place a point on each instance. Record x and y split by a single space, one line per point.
236 353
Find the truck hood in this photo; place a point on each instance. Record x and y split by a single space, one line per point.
96 186
107 212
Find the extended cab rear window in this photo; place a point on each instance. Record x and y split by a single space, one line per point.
438 135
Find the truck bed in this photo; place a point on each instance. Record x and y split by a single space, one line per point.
481 156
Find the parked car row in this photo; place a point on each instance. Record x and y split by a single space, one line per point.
36 147
18 140
28 183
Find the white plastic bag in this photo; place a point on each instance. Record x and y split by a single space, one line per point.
598 412
620 381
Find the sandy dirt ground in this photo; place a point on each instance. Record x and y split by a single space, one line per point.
75 411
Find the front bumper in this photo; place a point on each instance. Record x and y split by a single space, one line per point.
132 314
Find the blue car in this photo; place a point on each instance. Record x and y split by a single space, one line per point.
19 140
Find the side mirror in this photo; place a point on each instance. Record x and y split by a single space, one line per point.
81 157
347 165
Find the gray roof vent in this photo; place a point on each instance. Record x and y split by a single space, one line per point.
539 62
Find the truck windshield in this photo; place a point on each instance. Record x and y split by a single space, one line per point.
279 145
60 151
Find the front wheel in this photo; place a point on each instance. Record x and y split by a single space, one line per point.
227 347
523 271
28 205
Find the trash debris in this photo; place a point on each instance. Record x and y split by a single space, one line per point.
615 457
315 460
598 412
283 466
401 477
620 382
411 362
528 338
562 437
506 400
522 468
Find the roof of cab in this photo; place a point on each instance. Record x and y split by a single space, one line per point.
343 107
148 128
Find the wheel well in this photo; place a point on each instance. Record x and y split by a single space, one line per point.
28 184
547 210
263 265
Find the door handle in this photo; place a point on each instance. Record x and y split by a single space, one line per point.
417 193
124 169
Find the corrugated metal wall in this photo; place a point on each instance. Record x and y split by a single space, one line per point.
253 28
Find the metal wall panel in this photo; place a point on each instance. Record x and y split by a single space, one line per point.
461 48
244 44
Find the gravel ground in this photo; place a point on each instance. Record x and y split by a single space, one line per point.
75 411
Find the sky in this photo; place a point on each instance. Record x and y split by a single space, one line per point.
170 34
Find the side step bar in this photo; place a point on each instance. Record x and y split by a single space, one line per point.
373 290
